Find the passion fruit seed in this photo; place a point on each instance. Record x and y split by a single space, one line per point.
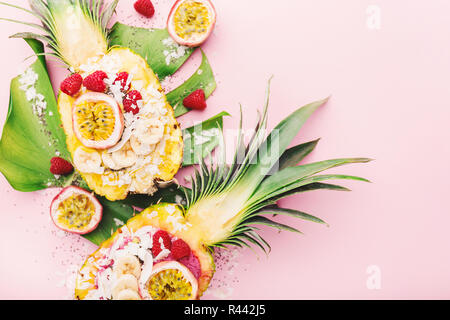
191 17
169 284
76 211
95 120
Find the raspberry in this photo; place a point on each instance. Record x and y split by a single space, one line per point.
122 77
134 95
72 84
130 101
60 166
160 234
196 100
180 249
94 82
145 7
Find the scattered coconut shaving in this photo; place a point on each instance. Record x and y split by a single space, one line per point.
223 283
174 50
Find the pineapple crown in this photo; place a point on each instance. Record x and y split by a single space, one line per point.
233 199
74 30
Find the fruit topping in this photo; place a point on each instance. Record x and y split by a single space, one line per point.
130 102
128 294
125 282
72 84
76 210
87 160
122 77
149 131
97 120
191 22
180 249
196 100
145 7
127 264
60 166
94 81
161 240
123 158
170 280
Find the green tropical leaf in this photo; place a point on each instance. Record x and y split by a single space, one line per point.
203 78
276 143
309 187
307 181
291 175
170 194
31 135
264 221
115 214
276 210
201 139
292 156
151 45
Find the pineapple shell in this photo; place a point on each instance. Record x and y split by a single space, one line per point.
173 155
168 217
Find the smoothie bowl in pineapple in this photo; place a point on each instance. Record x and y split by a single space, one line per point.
144 261
121 131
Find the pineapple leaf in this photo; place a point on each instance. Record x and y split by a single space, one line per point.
265 221
292 175
290 212
291 157
108 13
305 188
254 241
256 236
20 8
34 25
275 144
307 181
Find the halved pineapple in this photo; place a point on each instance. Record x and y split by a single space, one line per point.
162 216
224 205
139 169
77 34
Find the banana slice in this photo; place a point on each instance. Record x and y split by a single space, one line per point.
125 157
109 162
149 131
144 182
141 148
127 264
128 294
87 161
127 281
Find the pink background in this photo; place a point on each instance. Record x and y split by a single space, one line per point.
390 101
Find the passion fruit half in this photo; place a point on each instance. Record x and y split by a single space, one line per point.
191 22
170 280
97 120
76 210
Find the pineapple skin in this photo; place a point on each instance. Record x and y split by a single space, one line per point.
164 219
171 161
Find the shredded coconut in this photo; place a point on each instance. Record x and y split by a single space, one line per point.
174 50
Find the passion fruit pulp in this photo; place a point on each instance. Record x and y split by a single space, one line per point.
170 280
76 210
97 120
191 22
